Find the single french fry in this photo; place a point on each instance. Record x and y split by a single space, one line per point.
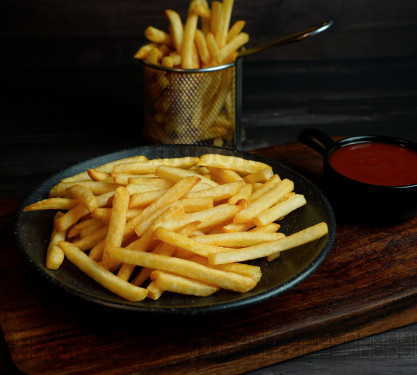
183 267
96 175
176 28
218 192
96 187
117 224
168 62
143 51
232 46
223 176
233 227
154 181
139 189
261 176
104 277
84 195
146 198
196 204
53 204
270 248
177 58
203 51
235 163
54 254
280 210
157 36
213 48
216 8
267 186
150 166
236 28
154 56
269 228
104 214
175 174
190 28
182 285
238 239
224 22
264 202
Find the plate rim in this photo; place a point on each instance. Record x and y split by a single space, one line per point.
186 310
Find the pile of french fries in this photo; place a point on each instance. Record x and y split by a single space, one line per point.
184 107
188 46
185 225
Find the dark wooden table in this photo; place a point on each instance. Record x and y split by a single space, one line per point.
55 117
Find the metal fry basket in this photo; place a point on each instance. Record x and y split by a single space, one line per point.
193 106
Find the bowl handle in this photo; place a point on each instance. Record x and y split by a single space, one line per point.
316 140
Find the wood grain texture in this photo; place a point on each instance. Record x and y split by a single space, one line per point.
365 286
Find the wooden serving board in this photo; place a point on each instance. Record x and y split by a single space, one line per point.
366 285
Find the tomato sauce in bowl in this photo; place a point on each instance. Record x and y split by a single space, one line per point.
376 163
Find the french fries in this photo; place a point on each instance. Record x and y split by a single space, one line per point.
189 236
185 103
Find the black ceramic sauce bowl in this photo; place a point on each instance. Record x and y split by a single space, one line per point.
357 200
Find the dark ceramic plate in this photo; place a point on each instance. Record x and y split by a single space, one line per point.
32 231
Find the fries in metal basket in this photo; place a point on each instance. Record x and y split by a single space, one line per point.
190 237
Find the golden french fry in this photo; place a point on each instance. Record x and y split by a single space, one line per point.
233 227
183 267
264 202
143 51
216 8
176 174
224 22
154 181
223 176
103 215
146 198
235 163
157 36
269 228
104 277
235 30
238 239
92 239
196 204
154 292
54 254
151 165
270 248
203 51
53 204
190 28
232 46
117 224
84 195
280 210
218 192
168 62
267 186
96 187
213 48
96 175
175 27
88 224
261 176
179 284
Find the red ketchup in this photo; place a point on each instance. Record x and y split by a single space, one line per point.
376 163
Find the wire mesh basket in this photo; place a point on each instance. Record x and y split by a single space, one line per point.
193 106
